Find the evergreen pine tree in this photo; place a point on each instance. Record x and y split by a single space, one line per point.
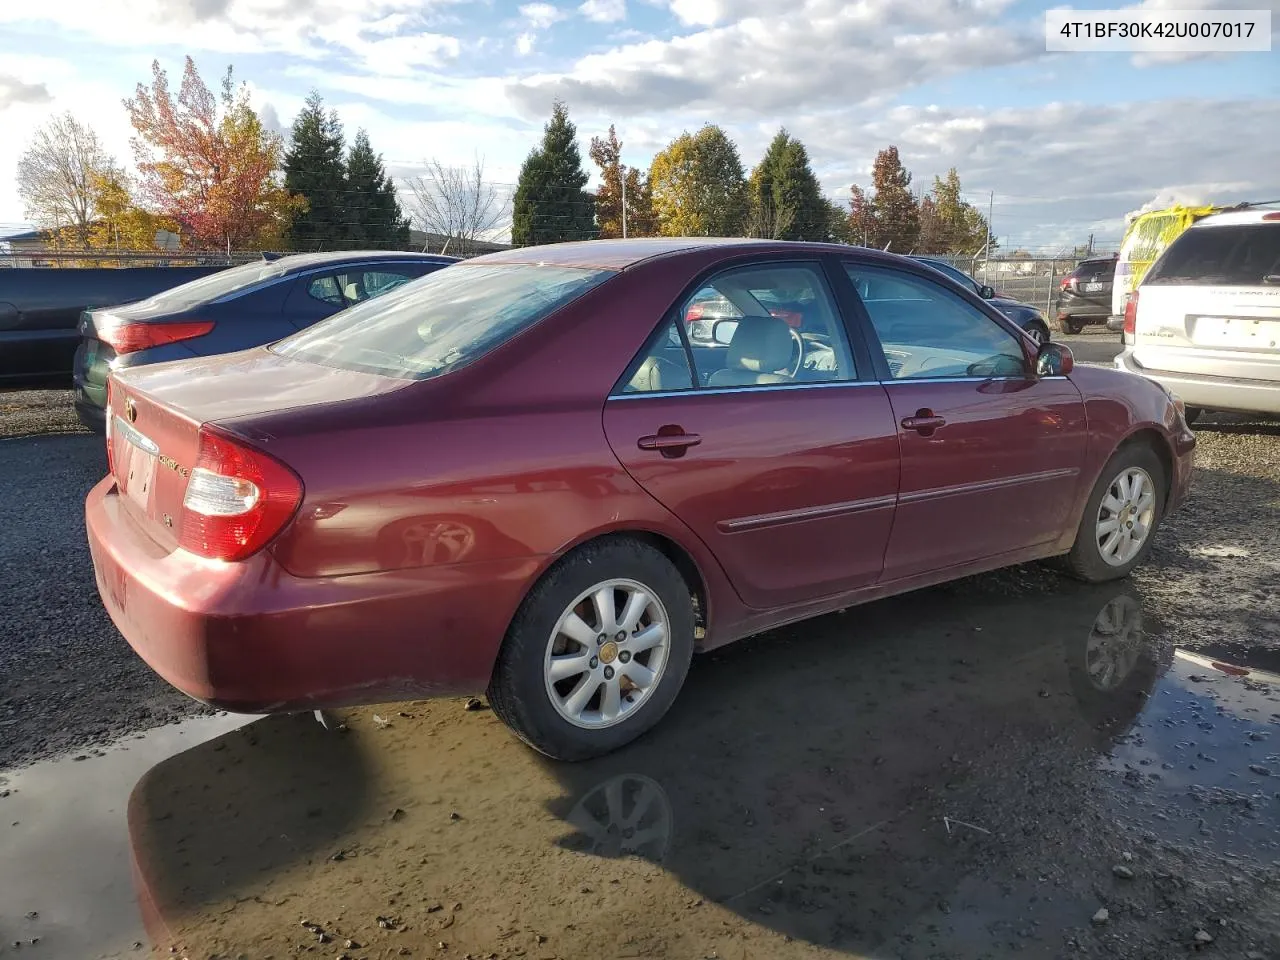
373 215
786 201
550 204
314 169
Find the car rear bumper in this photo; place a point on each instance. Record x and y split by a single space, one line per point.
1210 393
249 637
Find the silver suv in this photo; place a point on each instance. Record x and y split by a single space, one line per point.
1205 322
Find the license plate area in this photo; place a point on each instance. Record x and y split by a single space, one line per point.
1252 333
135 462
1093 288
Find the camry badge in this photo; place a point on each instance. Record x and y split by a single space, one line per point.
172 464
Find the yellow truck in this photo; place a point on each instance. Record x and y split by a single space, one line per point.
1147 236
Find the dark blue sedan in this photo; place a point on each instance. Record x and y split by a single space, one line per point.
235 309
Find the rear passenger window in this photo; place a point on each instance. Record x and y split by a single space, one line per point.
662 367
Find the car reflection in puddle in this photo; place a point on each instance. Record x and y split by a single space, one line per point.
949 771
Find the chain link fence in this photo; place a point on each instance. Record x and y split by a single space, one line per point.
1033 280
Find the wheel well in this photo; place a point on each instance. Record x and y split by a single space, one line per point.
679 558
1160 446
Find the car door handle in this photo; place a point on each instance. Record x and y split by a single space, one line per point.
924 422
669 441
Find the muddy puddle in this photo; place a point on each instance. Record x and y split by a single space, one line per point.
953 774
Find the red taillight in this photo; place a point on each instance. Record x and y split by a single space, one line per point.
237 499
693 313
1271 216
111 457
130 337
1066 282
1131 313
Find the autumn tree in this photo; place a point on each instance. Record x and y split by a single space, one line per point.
315 169
456 203
606 153
120 223
208 162
56 176
897 214
863 229
550 204
785 200
371 210
698 186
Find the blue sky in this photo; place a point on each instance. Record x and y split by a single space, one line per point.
1068 143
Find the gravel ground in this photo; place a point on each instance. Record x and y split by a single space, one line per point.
68 678
37 412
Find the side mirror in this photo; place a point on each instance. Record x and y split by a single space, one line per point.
1054 360
723 331
986 292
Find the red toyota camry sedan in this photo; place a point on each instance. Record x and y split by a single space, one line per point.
522 474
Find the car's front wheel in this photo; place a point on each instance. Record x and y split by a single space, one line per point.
1121 517
597 652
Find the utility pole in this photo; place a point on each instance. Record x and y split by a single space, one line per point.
1091 244
991 207
622 169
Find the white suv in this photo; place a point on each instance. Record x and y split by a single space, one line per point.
1205 322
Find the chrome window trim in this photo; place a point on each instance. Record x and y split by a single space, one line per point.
780 387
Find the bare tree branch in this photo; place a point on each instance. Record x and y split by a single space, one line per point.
456 203
56 176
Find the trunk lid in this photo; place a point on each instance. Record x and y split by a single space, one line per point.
156 413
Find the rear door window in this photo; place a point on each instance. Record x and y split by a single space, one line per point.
1232 255
326 289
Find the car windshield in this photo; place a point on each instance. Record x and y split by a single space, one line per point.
218 284
446 319
1237 255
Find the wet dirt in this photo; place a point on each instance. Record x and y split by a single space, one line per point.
971 771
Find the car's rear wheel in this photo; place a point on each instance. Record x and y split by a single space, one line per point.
1038 332
1072 325
597 652
1192 414
1121 517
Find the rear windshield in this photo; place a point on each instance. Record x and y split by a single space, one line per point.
1239 255
444 320
217 285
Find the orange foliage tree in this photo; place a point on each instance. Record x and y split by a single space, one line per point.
209 163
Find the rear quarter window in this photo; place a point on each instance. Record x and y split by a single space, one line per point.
442 321
1244 254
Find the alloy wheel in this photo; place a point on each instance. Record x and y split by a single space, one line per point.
607 653
1125 516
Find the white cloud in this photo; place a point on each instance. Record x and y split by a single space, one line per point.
604 11
773 55
524 44
225 26
542 15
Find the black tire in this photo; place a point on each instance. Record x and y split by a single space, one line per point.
1039 332
1192 414
1072 325
1085 561
518 691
